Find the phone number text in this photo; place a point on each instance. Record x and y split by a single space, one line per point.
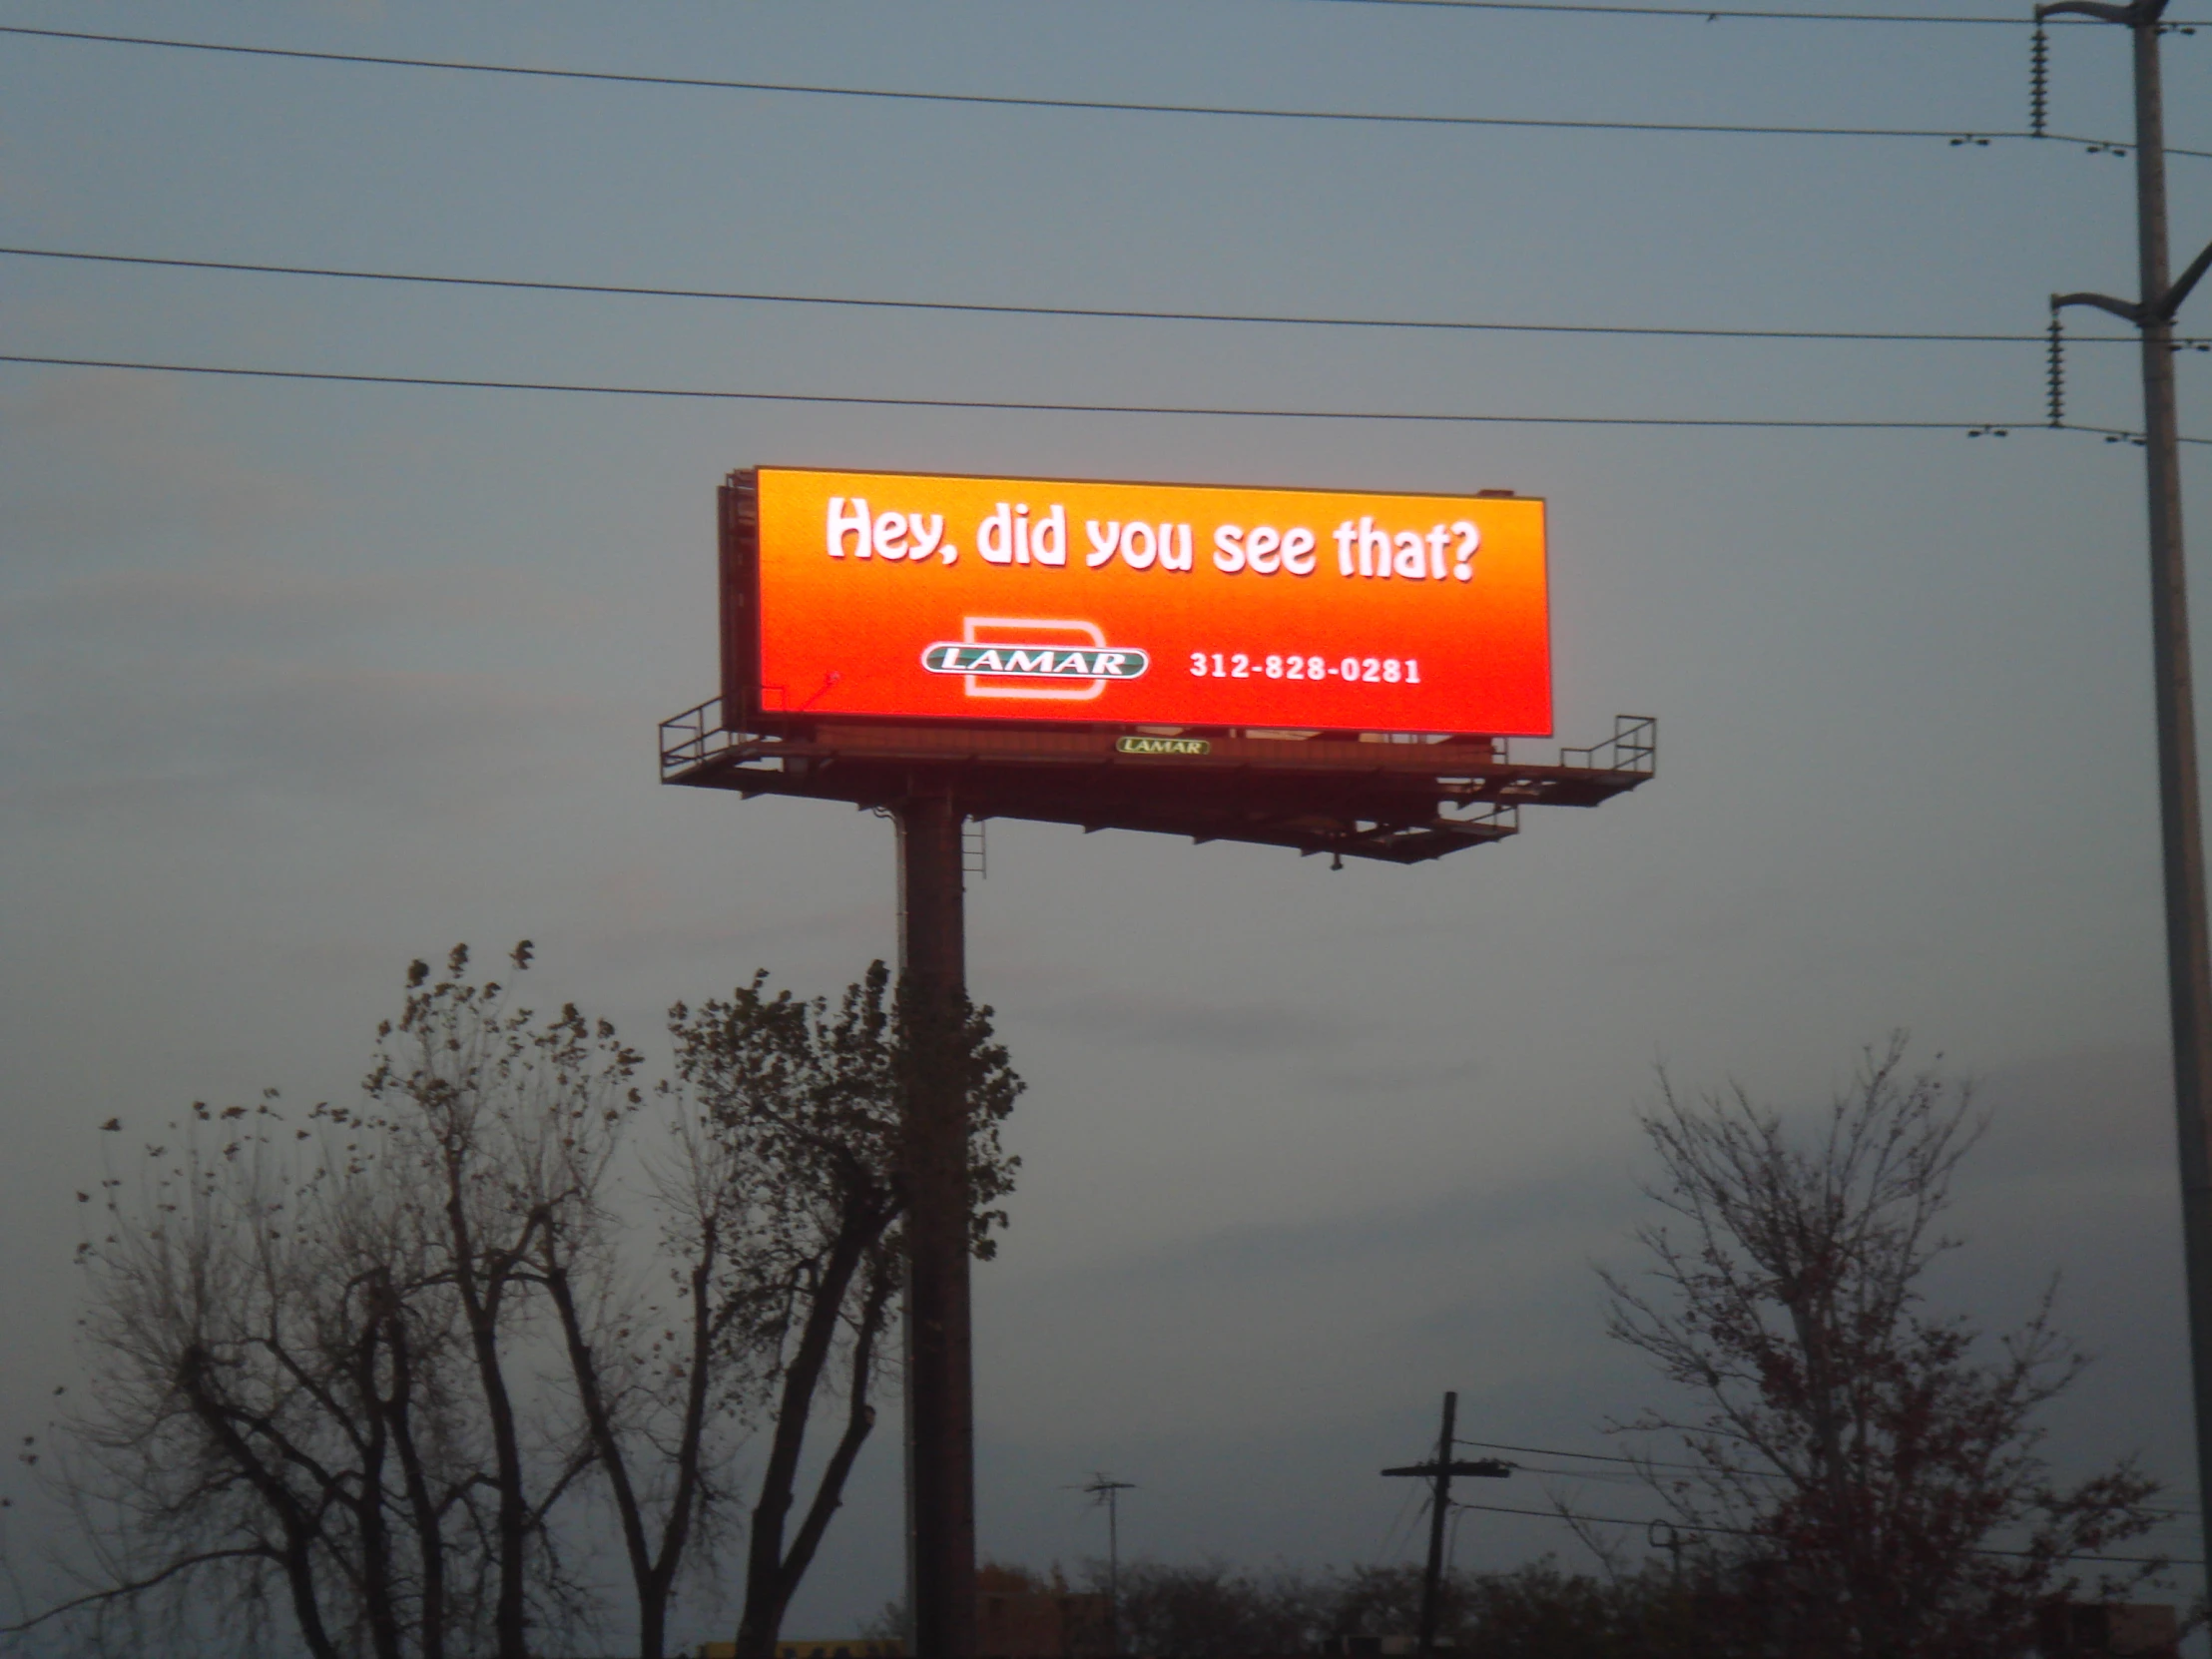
1242 665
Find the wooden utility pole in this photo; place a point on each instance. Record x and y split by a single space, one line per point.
2181 823
1440 1470
940 1385
1104 1488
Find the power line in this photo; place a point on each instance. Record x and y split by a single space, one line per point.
1661 1464
1081 312
1714 14
1606 1457
1747 1532
1951 134
1414 1501
1624 1476
859 401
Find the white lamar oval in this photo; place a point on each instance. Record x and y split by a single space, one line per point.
1037 662
1035 692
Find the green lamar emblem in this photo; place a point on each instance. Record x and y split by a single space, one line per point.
1163 746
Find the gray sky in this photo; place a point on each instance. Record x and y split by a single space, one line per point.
297 682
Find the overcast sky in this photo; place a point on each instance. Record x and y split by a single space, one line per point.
301 681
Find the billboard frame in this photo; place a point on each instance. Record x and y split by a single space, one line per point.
1392 796
746 693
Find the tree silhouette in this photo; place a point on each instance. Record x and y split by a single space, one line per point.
1865 1475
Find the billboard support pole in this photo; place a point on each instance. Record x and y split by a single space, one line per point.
2181 823
941 1409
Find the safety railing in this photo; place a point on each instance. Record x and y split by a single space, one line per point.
696 737
1633 747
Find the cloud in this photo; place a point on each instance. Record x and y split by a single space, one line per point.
247 670
166 730
2105 1110
278 606
107 462
1159 1023
1302 1318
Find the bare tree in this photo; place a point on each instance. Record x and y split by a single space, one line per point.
267 1380
313 1350
660 1383
356 1367
1865 1475
508 1126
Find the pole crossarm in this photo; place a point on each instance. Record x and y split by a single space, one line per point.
2126 308
2165 310
1492 1468
2170 306
2143 11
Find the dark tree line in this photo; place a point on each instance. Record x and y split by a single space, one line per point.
1849 1472
1212 1610
364 1381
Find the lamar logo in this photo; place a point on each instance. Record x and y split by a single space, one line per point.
1163 746
1046 662
1017 657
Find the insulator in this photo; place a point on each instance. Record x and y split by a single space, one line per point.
2038 80
2058 373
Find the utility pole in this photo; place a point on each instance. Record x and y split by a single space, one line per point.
1665 1536
2181 827
1104 1488
1439 1471
940 1385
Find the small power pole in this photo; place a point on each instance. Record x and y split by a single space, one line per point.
1664 1535
1439 1471
1104 1488
2181 824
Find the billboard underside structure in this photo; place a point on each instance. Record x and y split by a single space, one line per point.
1321 670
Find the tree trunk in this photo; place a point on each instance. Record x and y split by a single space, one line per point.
860 1420
511 1528
423 1511
765 1586
583 1367
298 1554
690 1446
377 1590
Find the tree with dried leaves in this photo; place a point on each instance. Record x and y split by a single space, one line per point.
810 1102
1864 1473
503 1130
315 1351
354 1376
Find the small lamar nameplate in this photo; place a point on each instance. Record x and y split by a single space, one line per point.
1163 746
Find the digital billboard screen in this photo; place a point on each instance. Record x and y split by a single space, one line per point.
915 596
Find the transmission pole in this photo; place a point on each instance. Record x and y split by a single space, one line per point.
1439 1472
2181 829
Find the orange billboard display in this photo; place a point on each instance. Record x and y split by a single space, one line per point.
913 596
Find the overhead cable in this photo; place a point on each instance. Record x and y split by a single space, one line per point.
1662 1463
1080 313
861 400
1951 135
1749 1532
1715 14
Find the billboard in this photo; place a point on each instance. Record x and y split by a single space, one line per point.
925 597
